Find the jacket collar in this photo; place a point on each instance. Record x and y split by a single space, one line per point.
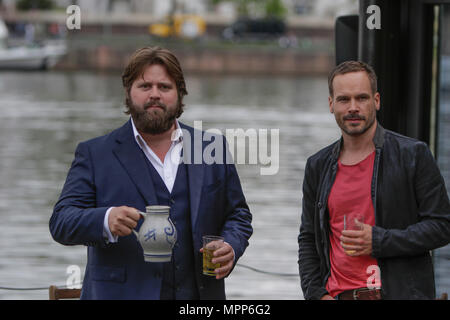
378 141
133 160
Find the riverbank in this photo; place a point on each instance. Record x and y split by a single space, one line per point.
111 52
105 42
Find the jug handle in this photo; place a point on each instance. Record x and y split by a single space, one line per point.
134 231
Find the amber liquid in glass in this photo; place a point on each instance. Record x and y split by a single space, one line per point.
208 266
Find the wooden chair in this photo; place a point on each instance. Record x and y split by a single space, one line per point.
443 296
56 293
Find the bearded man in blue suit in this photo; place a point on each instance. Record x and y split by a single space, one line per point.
114 176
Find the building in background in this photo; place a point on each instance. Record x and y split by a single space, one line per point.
158 8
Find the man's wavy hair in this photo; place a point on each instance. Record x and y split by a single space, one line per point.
148 56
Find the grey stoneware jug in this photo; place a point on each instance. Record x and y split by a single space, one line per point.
157 234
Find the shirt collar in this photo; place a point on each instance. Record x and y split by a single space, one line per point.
177 134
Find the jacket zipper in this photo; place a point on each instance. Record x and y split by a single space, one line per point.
374 200
324 208
375 182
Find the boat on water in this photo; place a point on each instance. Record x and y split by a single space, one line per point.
29 57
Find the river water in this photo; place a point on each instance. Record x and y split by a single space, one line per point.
44 115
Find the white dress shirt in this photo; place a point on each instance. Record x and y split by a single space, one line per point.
167 169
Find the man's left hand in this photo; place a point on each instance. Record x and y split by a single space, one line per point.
225 256
357 242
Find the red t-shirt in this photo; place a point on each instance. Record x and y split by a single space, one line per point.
351 193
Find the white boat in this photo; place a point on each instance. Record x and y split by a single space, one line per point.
30 58
35 57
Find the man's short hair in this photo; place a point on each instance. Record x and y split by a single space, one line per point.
148 56
352 66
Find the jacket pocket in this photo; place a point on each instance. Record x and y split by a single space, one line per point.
103 273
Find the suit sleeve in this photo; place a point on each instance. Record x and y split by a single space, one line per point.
433 227
237 228
75 219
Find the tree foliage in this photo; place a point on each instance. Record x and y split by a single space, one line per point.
25 5
271 8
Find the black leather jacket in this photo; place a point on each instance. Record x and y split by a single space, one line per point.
412 217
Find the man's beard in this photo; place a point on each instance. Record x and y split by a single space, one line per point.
155 121
349 130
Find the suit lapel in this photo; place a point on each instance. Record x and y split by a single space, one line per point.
133 161
195 171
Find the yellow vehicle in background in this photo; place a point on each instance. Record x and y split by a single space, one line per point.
184 26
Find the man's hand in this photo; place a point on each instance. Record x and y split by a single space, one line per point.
225 256
327 297
122 220
357 242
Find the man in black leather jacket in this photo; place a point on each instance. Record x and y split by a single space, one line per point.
410 203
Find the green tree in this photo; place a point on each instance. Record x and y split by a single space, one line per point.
25 5
272 8
275 8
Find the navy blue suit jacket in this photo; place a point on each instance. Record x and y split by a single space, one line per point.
111 171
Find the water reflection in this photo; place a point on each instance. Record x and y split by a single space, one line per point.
442 255
45 115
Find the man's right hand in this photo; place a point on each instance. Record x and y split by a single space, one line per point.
327 297
122 220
